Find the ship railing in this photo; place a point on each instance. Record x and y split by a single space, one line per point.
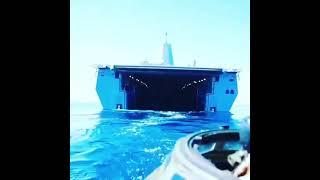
231 70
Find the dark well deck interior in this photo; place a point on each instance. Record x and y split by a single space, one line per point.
166 88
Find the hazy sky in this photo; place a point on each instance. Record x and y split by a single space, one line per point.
214 32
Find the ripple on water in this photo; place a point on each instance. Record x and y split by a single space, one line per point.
129 144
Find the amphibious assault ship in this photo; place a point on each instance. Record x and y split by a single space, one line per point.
166 87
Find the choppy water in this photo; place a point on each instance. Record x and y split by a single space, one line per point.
131 144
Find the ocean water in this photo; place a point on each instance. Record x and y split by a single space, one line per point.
131 144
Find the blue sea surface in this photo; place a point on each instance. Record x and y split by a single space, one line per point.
131 144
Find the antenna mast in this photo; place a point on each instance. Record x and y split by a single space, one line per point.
166 36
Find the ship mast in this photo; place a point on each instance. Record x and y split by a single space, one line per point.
167 53
166 36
